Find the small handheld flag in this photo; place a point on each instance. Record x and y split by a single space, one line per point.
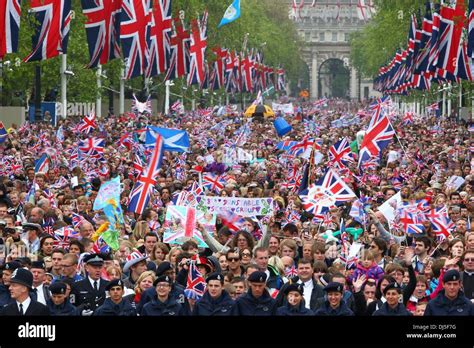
231 14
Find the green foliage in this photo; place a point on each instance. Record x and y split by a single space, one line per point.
264 20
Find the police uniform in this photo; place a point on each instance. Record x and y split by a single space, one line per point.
110 308
168 308
63 309
441 305
208 306
290 310
83 295
5 297
24 277
385 310
249 305
327 310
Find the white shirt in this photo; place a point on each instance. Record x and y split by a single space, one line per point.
307 291
92 282
40 294
25 303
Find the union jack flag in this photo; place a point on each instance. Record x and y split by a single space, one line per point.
102 29
376 139
214 182
52 32
100 246
135 36
140 194
340 153
291 272
179 52
195 285
408 118
10 13
326 193
357 210
470 40
160 32
232 221
197 51
440 222
63 236
93 147
77 220
87 124
302 147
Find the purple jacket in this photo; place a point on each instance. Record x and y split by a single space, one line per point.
372 272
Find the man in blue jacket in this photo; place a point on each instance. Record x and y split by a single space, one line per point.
334 305
451 300
163 305
215 301
115 305
58 303
392 307
257 301
295 304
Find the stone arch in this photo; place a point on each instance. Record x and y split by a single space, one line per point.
334 78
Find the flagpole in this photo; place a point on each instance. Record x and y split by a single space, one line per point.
62 72
122 90
98 101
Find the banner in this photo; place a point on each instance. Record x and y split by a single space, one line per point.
181 225
390 206
240 206
285 108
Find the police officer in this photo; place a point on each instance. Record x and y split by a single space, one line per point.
334 305
393 305
8 269
58 303
89 294
295 304
115 304
215 301
451 300
257 301
177 291
163 304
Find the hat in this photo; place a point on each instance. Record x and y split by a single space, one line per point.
94 260
258 277
38 264
294 287
215 276
22 276
11 266
163 267
58 288
325 279
115 282
132 259
163 278
391 286
451 276
334 287
204 261
31 226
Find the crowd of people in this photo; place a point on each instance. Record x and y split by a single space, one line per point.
289 263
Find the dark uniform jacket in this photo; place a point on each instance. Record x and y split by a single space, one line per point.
63 309
168 308
35 308
289 310
123 308
84 296
441 305
207 306
316 294
247 304
327 310
177 292
4 295
386 310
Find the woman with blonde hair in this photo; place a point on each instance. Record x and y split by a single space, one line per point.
277 265
144 282
173 254
288 247
141 228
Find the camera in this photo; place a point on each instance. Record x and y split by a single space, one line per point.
3 223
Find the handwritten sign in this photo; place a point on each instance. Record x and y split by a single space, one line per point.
239 206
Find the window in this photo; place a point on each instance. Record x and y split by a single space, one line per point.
321 36
334 37
346 37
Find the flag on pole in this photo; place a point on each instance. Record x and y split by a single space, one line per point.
231 14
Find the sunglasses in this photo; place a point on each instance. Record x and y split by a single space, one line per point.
469 260
234 259
246 254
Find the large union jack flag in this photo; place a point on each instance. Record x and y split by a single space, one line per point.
87 124
441 224
10 12
102 29
160 33
179 52
197 51
195 285
52 31
375 140
329 191
135 36
140 195
92 146
214 182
